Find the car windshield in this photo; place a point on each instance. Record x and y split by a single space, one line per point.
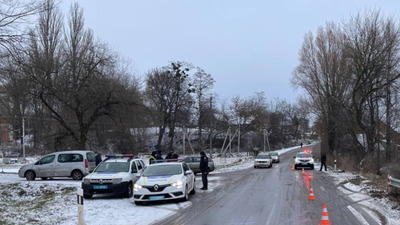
162 170
263 157
304 155
274 153
113 167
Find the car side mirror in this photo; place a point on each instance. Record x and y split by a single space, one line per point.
294 157
188 172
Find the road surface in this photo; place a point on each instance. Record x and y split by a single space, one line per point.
273 196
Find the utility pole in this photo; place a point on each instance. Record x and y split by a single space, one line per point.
23 138
210 115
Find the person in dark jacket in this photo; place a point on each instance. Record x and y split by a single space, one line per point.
323 161
153 158
159 155
204 169
175 156
169 156
98 159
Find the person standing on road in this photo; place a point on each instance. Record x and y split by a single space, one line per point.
204 169
323 161
98 158
301 144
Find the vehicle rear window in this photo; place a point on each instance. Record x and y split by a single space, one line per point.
91 157
304 155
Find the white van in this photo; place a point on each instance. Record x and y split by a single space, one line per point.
75 164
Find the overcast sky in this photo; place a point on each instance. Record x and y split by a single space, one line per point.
247 46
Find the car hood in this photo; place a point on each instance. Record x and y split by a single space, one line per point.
106 175
151 180
27 166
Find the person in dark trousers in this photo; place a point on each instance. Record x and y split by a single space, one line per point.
323 162
98 159
152 158
301 144
204 169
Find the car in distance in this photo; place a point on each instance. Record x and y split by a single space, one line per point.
194 163
75 164
164 181
263 160
274 156
116 174
303 159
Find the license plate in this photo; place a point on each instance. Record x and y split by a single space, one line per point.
100 187
304 164
156 198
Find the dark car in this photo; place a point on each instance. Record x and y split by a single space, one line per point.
194 163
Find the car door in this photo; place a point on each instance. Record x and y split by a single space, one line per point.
45 166
192 165
63 164
189 177
136 170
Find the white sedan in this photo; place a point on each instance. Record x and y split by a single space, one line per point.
164 181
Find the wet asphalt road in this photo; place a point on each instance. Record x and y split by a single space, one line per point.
273 196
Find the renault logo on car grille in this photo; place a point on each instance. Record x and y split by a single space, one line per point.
100 181
156 187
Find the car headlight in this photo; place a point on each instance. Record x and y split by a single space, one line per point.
177 184
117 180
86 181
137 187
311 160
296 160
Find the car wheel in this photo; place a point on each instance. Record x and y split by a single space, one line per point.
44 178
85 196
129 191
186 197
312 167
195 173
77 175
295 167
30 175
255 166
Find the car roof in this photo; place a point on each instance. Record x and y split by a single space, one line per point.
70 151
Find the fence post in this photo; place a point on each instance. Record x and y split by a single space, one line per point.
81 219
334 165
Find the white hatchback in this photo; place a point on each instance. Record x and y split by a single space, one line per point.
263 160
164 181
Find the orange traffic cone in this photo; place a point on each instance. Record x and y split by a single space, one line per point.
292 168
311 196
302 172
325 218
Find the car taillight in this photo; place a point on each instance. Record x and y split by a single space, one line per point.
86 163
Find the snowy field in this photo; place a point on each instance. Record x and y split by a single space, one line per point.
54 201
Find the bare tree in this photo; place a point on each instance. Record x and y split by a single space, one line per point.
202 84
13 16
372 43
322 72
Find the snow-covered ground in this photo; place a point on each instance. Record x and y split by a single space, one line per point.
54 201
